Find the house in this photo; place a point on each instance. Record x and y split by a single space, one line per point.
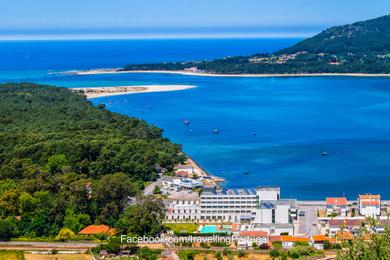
247 238
350 225
290 241
336 206
317 241
97 230
369 205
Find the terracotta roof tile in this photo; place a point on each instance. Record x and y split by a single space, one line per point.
95 229
337 201
253 234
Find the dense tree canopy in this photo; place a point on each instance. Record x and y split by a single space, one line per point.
66 163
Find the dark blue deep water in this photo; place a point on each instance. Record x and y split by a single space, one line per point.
275 129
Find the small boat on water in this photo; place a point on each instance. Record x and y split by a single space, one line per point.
246 173
186 122
324 153
216 131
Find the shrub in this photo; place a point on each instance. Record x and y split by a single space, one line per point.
274 253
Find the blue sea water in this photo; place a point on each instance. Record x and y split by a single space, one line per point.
275 129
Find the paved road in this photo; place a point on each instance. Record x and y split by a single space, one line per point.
150 188
306 223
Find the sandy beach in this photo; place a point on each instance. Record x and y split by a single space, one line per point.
189 73
95 92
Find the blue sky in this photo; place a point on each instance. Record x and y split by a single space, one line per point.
138 17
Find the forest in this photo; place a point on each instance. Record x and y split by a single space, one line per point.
67 163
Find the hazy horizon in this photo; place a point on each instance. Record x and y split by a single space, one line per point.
153 19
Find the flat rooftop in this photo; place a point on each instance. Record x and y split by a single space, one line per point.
228 192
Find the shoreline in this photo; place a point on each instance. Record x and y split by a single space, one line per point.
97 92
205 74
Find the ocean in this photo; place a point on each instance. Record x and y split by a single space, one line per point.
272 131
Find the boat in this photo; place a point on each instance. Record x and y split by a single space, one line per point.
324 153
246 173
216 131
186 122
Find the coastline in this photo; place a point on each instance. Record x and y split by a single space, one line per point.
96 92
205 74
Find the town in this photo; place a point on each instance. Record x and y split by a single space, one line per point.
260 214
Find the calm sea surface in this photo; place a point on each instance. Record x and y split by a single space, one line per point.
275 129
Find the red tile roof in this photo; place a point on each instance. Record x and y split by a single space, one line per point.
337 201
318 238
294 239
253 234
344 222
369 196
96 229
370 202
275 238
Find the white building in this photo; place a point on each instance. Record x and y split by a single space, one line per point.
247 238
227 205
180 183
369 205
183 208
260 208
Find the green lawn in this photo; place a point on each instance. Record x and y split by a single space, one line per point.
11 255
182 227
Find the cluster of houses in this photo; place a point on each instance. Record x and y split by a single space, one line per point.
368 206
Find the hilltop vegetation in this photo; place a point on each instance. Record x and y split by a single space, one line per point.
66 163
362 47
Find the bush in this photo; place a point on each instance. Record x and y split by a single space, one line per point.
274 253
7 230
226 251
241 253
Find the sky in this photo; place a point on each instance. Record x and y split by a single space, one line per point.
156 18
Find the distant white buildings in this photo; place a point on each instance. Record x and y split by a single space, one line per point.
369 205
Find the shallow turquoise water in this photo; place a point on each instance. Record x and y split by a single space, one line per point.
275 129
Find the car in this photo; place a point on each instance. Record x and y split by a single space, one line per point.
301 213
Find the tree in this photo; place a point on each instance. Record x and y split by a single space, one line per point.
56 163
65 234
7 230
377 248
143 218
112 194
76 222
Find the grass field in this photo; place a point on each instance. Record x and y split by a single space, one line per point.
58 257
182 227
11 255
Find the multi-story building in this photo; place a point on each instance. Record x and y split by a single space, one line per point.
183 208
229 205
262 208
369 205
337 206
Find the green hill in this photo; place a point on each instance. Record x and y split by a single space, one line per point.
367 37
362 47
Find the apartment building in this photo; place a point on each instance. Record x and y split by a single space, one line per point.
369 205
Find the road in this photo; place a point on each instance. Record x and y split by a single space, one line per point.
306 223
150 188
